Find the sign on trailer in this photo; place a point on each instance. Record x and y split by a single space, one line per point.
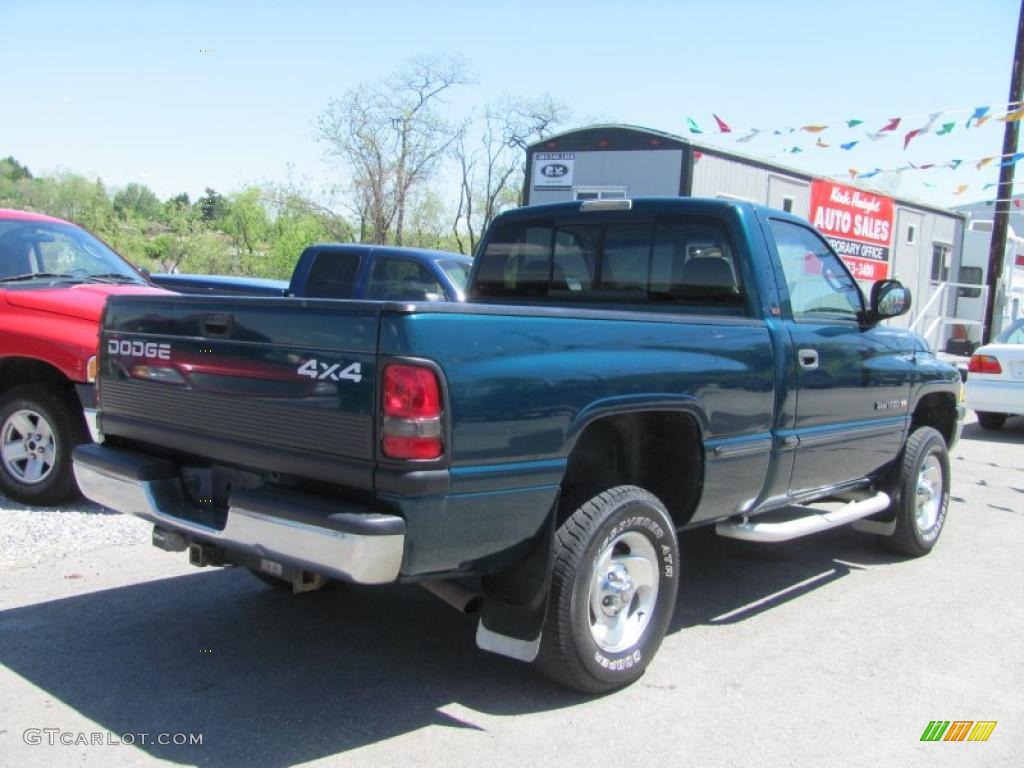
857 224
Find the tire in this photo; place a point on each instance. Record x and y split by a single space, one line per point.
989 420
611 534
922 498
39 427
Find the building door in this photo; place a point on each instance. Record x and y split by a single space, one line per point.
910 265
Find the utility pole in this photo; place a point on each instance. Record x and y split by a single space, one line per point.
997 250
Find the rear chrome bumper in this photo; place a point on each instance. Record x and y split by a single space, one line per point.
304 531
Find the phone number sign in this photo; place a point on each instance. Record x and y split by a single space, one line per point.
857 224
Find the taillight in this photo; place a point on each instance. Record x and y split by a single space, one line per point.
412 413
984 364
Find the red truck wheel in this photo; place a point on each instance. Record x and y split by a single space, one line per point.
613 590
38 429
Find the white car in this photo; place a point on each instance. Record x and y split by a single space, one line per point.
995 377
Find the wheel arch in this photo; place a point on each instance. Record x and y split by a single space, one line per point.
17 370
936 408
655 444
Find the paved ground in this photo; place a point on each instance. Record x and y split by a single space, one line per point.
826 651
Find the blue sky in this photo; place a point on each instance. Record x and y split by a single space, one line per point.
123 91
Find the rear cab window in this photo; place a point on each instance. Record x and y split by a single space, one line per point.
676 262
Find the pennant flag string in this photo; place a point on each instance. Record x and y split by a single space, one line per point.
954 164
978 116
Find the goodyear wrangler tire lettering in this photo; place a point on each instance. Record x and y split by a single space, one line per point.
613 590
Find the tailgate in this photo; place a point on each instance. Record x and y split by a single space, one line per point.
274 384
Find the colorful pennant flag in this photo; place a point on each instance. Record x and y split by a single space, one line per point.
932 119
849 145
981 121
878 136
749 136
853 123
722 126
892 125
990 185
911 135
979 113
946 128
822 144
692 124
794 150
954 164
853 173
869 174
1010 117
961 189
983 162
1012 159
814 128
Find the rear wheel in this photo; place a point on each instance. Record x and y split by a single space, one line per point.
923 494
613 591
39 427
989 420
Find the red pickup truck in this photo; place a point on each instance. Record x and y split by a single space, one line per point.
54 281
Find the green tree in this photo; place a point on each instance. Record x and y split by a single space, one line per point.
12 170
212 205
136 200
246 222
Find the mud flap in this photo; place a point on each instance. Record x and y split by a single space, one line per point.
516 600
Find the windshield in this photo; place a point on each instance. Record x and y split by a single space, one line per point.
1013 333
457 272
31 250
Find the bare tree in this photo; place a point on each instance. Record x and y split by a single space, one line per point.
392 135
492 167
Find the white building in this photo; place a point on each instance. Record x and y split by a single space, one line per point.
878 236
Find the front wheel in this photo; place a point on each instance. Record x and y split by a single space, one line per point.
38 429
989 420
923 494
613 590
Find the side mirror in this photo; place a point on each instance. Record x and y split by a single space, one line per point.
889 298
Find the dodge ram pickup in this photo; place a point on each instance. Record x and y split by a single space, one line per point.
346 271
623 370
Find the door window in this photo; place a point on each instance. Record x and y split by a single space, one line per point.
820 287
402 280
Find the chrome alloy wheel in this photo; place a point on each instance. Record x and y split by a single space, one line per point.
929 494
28 447
623 592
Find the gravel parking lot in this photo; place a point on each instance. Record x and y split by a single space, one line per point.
822 651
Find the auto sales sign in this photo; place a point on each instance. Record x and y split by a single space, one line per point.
857 224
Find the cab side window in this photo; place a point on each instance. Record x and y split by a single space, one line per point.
820 287
402 280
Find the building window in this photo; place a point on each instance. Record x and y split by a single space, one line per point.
972 276
787 204
911 233
600 193
941 253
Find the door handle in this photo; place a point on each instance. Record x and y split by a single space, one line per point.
216 325
808 359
